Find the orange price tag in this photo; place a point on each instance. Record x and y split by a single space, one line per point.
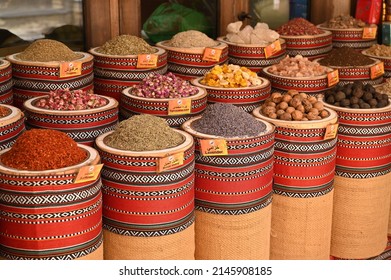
331 131
88 173
211 54
214 147
332 78
70 69
272 48
369 32
147 60
170 162
377 70
179 106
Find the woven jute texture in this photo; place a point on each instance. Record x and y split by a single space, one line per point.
360 216
301 227
233 237
177 246
96 255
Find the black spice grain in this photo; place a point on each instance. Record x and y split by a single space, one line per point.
346 56
229 121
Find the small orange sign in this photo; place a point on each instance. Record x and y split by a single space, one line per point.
70 69
272 48
214 147
333 78
88 173
170 162
377 70
211 54
179 106
369 32
331 131
147 60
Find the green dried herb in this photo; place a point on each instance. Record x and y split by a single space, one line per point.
126 45
143 133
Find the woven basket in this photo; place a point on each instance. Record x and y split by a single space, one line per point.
349 37
6 83
302 188
11 126
310 46
310 85
233 197
114 73
45 215
83 126
134 105
362 182
188 63
246 98
32 79
349 74
252 56
146 214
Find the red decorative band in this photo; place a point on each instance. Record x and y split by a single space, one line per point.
49 217
195 59
308 42
125 63
10 132
364 143
252 52
304 162
239 182
138 201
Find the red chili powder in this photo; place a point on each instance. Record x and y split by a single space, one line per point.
43 149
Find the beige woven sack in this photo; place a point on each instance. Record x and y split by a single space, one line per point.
360 216
301 227
233 237
177 246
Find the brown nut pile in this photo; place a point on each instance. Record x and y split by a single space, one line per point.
356 95
293 106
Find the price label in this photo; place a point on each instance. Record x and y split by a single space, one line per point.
369 32
70 69
211 54
377 70
272 48
147 60
170 162
214 147
88 173
179 106
331 131
332 78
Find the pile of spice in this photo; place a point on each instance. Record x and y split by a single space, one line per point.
293 106
143 133
344 22
163 86
43 149
66 99
230 76
190 39
4 111
379 50
126 45
260 34
298 27
346 56
227 120
297 67
45 50
385 87
356 95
